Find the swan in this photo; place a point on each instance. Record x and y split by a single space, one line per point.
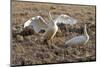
83 39
37 23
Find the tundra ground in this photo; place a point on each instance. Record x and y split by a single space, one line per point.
27 49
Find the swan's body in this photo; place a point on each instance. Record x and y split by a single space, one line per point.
83 39
51 31
50 28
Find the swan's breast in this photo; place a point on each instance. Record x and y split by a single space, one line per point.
50 33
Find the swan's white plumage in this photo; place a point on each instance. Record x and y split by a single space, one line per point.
76 40
65 19
51 28
83 39
50 32
37 23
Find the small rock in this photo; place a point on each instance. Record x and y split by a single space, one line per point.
19 38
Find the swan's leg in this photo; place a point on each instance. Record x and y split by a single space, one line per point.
48 42
53 45
51 41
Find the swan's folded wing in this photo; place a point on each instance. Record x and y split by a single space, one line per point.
76 40
65 19
37 23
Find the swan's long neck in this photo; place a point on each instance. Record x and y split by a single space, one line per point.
50 16
51 19
85 32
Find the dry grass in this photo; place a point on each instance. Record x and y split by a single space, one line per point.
27 49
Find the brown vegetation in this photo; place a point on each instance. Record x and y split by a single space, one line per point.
27 49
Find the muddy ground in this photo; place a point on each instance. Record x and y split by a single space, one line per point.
27 49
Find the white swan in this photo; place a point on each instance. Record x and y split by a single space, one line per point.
83 39
38 23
